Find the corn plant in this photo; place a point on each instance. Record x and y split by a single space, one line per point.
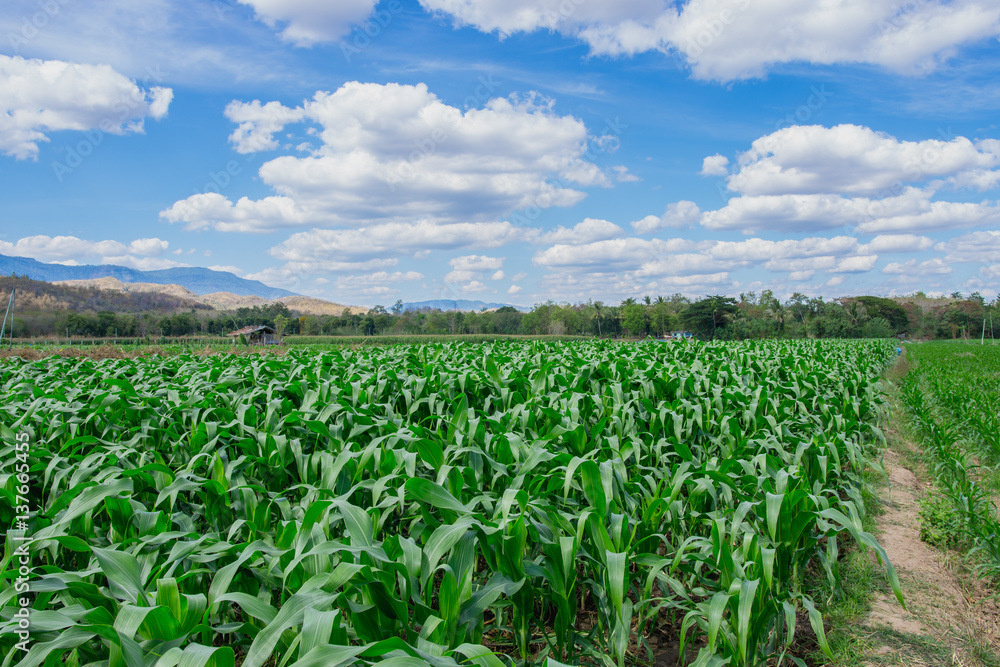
504 503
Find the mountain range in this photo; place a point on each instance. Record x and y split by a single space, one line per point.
198 280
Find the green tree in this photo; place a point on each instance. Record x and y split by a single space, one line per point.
634 319
707 316
280 324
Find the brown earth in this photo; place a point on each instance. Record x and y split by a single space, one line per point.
305 305
945 605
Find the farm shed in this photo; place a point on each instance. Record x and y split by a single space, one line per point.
257 334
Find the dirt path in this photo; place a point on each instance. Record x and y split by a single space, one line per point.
950 618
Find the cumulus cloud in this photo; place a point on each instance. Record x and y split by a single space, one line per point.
715 165
380 283
211 209
892 243
737 39
933 215
679 214
472 269
144 254
258 123
38 97
973 247
916 268
857 264
850 160
588 231
610 255
397 152
306 22
806 178
786 213
379 247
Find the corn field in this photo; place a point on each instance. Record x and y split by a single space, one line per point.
509 503
953 395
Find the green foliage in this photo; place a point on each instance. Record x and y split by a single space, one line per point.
954 399
887 309
877 327
426 504
940 524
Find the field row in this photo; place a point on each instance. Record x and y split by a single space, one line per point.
450 504
953 395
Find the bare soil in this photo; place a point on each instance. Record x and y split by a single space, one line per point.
947 610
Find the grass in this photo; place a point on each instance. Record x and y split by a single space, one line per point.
856 644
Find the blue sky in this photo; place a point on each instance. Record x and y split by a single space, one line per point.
507 150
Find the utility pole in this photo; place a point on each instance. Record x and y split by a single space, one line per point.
9 311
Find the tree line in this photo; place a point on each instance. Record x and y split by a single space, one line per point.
55 311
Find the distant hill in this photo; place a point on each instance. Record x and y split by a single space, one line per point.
217 300
195 279
36 297
452 304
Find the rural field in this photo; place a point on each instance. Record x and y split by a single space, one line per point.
953 395
506 503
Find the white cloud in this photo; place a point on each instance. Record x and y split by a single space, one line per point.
622 175
396 152
972 247
911 211
380 243
474 287
514 289
610 255
258 123
150 247
857 264
758 250
588 231
306 22
478 263
376 284
143 254
228 268
38 97
851 160
715 165
679 214
737 39
472 269
937 215
210 209
786 213
891 243
915 268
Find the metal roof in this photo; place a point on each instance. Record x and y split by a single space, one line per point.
253 328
